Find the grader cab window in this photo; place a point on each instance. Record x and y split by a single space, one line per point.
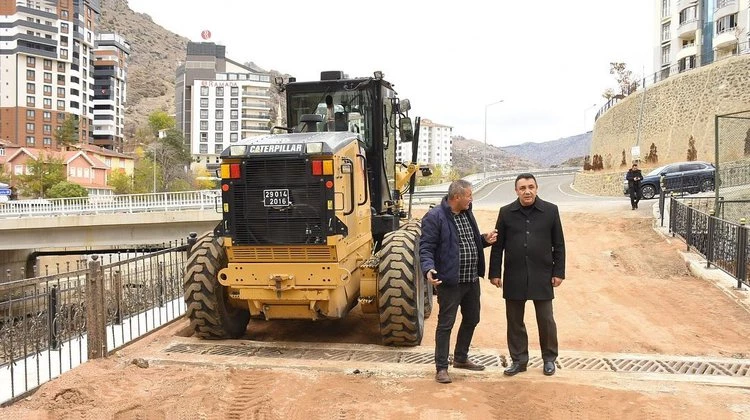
341 111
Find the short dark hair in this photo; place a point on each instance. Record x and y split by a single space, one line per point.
525 175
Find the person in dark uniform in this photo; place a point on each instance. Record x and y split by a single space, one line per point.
528 261
634 178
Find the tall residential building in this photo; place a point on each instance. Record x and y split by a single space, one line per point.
693 33
46 68
219 101
110 90
435 145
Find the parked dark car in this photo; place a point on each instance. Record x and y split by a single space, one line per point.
690 177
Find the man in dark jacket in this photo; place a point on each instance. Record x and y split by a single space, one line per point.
634 178
530 238
451 255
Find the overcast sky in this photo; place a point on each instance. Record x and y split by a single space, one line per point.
548 60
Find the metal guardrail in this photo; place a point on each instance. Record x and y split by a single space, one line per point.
193 200
130 203
724 244
53 323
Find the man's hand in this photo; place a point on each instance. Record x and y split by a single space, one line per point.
432 279
556 281
497 282
491 236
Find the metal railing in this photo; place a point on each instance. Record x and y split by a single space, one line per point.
53 323
666 72
724 244
130 203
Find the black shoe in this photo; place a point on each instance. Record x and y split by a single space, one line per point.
515 368
549 368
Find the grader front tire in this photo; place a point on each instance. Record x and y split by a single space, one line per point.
400 290
208 309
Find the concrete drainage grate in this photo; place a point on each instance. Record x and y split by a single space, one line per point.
635 365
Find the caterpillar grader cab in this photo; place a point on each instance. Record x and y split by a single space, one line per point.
313 218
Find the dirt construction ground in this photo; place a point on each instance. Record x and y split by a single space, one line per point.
627 293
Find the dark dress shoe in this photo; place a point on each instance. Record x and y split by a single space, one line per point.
442 376
515 368
549 368
467 365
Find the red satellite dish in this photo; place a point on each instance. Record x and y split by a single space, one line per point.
206 34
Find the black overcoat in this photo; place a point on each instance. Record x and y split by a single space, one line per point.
532 249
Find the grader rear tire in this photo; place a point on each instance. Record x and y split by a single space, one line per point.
415 226
208 309
400 290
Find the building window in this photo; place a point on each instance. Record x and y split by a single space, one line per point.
30 101
234 103
31 61
63 53
204 125
46 115
30 140
47 89
60 79
219 137
47 64
204 90
47 77
686 63
219 125
30 75
688 14
665 36
726 24
218 148
233 137
30 88
234 91
29 127
204 102
204 114
233 126
234 114
48 141
665 50
665 13
61 105
220 102
30 114
47 103
219 91
204 137
203 149
219 114
61 92
64 28
64 14
47 129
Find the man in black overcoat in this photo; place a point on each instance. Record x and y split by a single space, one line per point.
528 260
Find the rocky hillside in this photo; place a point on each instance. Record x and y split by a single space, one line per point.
553 152
154 56
469 155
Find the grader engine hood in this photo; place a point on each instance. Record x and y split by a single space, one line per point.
279 190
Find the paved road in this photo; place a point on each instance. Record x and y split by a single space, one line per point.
557 189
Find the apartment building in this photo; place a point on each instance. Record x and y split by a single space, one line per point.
219 101
435 145
693 33
46 69
110 90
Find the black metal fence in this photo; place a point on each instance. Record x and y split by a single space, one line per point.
53 323
724 244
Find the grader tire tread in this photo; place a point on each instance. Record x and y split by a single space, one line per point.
210 315
415 226
399 297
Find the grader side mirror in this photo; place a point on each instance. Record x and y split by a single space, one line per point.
406 130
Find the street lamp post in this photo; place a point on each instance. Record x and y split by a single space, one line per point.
484 155
584 116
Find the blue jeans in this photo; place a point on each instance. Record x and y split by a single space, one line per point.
465 295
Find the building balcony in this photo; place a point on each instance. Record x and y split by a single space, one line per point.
726 8
686 52
687 29
725 39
